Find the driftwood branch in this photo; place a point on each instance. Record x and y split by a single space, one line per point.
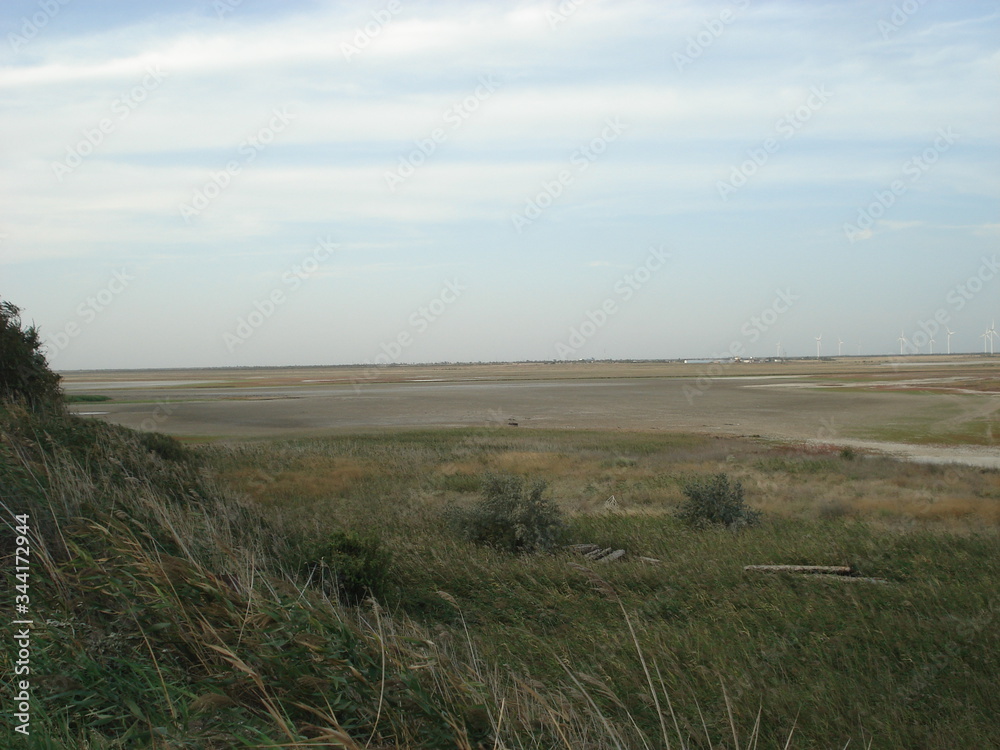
608 554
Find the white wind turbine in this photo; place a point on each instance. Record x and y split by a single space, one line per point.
840 344
950 334
992 333
778 349
932 346
902 341
818 339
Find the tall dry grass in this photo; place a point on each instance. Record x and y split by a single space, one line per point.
174 619
176 615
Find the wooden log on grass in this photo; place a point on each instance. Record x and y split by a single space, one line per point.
618 554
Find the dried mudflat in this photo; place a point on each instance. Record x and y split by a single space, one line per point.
940 409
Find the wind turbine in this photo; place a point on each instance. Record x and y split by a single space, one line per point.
932 346
991 332
778 349
818 339
950 334
902 341
840 344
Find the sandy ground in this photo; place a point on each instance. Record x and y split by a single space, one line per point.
835 402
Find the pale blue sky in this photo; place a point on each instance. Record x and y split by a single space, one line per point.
635 123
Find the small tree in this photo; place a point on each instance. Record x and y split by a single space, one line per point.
714 501
510 518
24 372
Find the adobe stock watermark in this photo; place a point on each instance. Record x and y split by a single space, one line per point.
901 14
121 108
419 321
752 329
22 652
786 126
624 290
161 414
937 324
580 160
87 312
223 8
714 27
827 429
32 25
364 35
760 324
562 12
217 182
913 170
291 281
499 417
455 116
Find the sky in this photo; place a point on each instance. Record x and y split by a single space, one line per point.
308 182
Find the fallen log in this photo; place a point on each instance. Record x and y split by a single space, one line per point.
607 554
618 554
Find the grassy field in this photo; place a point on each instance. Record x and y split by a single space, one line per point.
849 660
176 576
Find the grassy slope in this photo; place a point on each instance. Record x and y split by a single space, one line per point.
178 620
910 663
168 613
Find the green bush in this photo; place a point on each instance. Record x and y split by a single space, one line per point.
714 501
509 517
352 565
164 446
24 373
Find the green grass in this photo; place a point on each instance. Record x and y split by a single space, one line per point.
174 575
978 431
945 424
84 398
850 660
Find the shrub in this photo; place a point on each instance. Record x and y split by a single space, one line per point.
510 518
24 373
714 501
164 446
355 566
